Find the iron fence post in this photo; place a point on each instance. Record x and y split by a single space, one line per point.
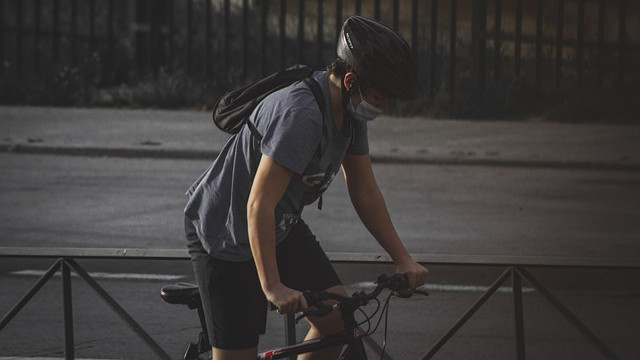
518 313
467 315
68 311
27 297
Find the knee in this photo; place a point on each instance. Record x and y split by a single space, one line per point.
331 323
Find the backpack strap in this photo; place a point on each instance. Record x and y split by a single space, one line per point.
317 94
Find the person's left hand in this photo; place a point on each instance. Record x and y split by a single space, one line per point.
416 273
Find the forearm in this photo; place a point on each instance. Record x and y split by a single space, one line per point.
372 210
263 245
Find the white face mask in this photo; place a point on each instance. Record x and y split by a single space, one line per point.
364 111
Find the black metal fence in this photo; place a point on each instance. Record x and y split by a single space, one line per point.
515 269
466 49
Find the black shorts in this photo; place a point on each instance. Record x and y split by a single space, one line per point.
234 304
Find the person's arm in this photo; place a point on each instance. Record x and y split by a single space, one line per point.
269 185
369 203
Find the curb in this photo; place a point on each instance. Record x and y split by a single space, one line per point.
195 154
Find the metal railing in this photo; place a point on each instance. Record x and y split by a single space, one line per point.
216 38
516 269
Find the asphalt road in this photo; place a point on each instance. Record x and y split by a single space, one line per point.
60 201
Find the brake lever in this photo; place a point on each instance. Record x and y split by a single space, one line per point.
322 310
408 293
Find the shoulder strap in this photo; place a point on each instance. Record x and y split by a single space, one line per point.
317 94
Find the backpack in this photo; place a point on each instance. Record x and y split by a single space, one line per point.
232 110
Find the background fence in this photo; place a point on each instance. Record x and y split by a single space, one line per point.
472 54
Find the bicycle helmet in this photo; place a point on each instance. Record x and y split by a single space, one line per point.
379 56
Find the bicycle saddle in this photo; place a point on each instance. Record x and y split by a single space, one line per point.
180 293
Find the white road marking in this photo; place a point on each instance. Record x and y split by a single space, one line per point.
449 287
40 358
105 275
361 285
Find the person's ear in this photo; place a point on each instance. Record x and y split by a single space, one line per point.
350 79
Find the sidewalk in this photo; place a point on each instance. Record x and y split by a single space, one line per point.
192 135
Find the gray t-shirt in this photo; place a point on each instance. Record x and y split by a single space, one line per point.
291 124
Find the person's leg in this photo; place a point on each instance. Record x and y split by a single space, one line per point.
233 303
331 323
304 265
246 354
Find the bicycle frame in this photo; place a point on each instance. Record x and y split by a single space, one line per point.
352 336
309 346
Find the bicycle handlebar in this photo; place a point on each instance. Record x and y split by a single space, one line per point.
398 283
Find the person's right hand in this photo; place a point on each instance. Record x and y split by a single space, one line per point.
286 300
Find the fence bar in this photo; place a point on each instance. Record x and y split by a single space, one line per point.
358 9
452 49
109 64
27 297
518 313
320 34
414 27
154 39
497 42
580 43
467 315
119 310
338 18
601 39
92 26
396 15
74 32
36 36
376 10
434 50
622 42
245 39
208 59
601 346
189 26
301 24
68 311
265 32
283 33
2 12
559 42
539 43
479 45
518 47
19 25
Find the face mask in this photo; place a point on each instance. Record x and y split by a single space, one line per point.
364 111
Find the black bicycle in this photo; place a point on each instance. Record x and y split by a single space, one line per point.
397 284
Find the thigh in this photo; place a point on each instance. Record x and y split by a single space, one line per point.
302 262
233 302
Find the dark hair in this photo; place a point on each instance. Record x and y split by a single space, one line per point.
340 67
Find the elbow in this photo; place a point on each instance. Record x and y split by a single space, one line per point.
257 209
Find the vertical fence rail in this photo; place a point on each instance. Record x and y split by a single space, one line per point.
453 39
68 311
559 43
517 56
497 40
433 50
516 287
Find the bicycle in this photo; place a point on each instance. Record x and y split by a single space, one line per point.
187 294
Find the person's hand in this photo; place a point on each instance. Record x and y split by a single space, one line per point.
416 273
286 300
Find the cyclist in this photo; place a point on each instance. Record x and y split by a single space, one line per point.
247 241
